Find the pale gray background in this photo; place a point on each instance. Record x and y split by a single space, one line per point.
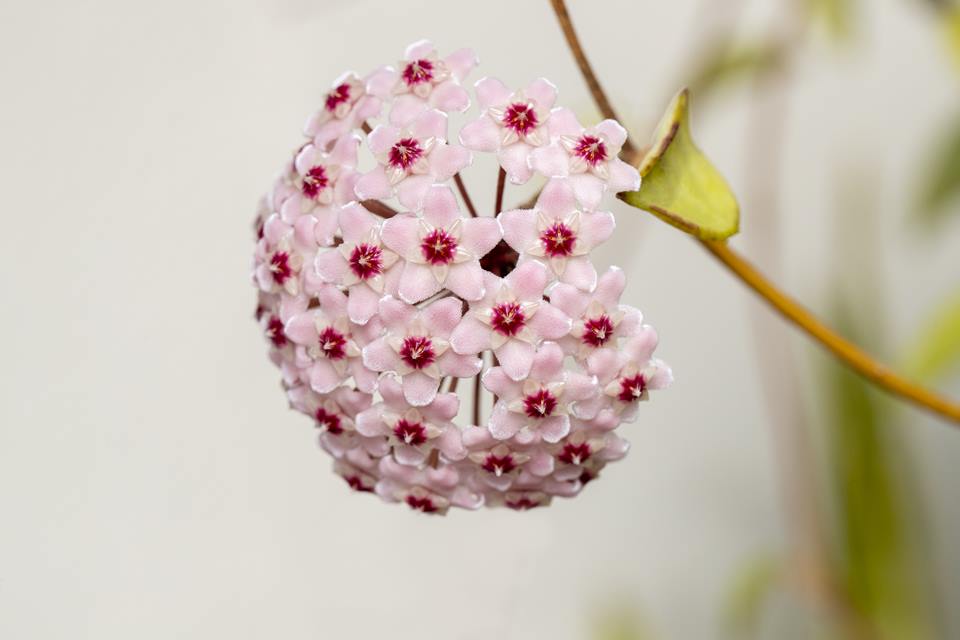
153 483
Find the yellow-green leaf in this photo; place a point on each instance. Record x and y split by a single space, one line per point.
937 349
941 179
730 61
680 185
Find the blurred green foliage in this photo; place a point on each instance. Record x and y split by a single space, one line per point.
837 16
936 350
940 183
749 593
729 62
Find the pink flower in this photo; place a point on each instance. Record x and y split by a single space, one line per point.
361 263
627 376
410 160
579 450
557 232
511 318
346 106
538 406
423 80
278 261
512 124
525 500
416 346
334 415
330 344
599 321
414 433
357 477
442 249
587 156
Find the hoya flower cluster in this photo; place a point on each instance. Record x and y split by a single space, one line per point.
381 289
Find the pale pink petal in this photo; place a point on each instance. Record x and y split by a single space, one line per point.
449 96
362 304
499 383
323 377
466 280
588 188
516 358
392 391
569 299
480 235
369 424
430 124
406 108
418 49
470 337
578 386
528 280
332 301
554 428
482 134
419 389
407 455
382 138
614 133
373 185
396 315
448 160
632 319
580 273
548 362
514 160
355 222
551 161
543 92
450 444
563 122
491 92
301 328
540 464
504 424
444 407
410 191
550 323
519 228
623 177
461 62
330 266
344 152
418 283
610 287
604 363
557 199
367 107
378 356
442 316
400 234
641 347
440 206
662 377
382 81
461 366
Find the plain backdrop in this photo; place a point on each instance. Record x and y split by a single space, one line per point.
153 483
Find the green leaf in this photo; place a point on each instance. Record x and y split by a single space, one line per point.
679 185
836 15
729 62
936 350
941 183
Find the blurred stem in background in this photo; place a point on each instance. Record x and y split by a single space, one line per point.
867 577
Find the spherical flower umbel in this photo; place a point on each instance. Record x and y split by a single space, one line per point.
451 356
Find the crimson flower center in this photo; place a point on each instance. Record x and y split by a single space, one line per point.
333 344
632 388
521 118
417 352
280 267
522 504
597 331
356 483
339 95
438 247
498 465
424 504
418 72
558 240
404 153
366 260
275 332
315 181
540 404
328 421
575 453
591 149
507 318
411 433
